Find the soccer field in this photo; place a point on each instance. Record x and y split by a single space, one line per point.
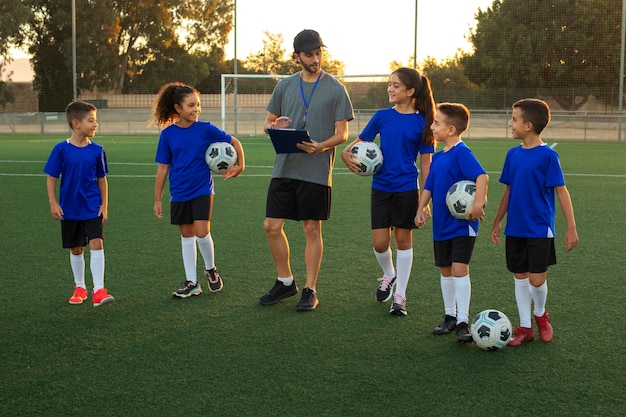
224 354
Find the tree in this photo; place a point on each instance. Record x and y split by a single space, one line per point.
273 58
568 46
117 40
12 16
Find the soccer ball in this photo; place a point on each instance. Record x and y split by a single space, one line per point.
220 157
460 198
369 156
491 330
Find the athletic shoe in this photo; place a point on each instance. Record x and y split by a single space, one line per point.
447 325
521 335
385 289
80 295
398 307
102 297
545 328
215 281
278 292
308 301
188 289
463 334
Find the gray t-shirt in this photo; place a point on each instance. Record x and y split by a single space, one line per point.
328 103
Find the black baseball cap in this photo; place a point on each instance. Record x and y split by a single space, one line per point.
307 40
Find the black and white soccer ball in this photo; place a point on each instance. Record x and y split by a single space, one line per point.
460 198
491 330
220 157
368 156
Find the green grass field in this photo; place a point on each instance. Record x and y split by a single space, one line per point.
223 354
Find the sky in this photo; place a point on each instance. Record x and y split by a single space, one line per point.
364 37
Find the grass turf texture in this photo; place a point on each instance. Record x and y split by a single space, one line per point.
224 354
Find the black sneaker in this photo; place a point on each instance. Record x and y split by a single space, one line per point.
385 289
278 292
215 281
463 334
187 290
398 307
447 325
308 301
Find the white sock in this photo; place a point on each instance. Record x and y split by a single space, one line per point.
286 281
77 262
523 299
463 292
386 262
448 294
404 262
207 250
190 257
96 264
539 296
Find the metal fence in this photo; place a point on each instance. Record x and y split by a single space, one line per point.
577 126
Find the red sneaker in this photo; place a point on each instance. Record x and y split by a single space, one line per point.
80 295
521 335
545 328
102 297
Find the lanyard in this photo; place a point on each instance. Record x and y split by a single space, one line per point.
304 100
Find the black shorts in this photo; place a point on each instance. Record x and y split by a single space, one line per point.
297 200
455 250
394 209
533 255
78 233
186 212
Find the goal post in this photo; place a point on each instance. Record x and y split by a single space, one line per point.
244 97
229 85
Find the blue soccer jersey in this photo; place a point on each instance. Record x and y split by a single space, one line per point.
183 149
531 175
448 167
400 143
79 169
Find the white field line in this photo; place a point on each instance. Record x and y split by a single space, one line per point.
337 171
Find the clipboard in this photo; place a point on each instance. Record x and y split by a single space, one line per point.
285 140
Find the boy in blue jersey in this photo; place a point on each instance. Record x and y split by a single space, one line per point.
181 155
454 239
532 175
404 133
83 202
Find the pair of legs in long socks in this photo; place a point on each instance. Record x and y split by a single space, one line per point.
456 290
531 291
96 264
404 255
192 234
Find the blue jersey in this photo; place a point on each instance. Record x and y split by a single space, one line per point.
79 169
531 175
400 143
456 164
183 149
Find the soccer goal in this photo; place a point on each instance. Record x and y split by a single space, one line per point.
243 98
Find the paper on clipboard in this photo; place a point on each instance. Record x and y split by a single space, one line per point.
285 140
